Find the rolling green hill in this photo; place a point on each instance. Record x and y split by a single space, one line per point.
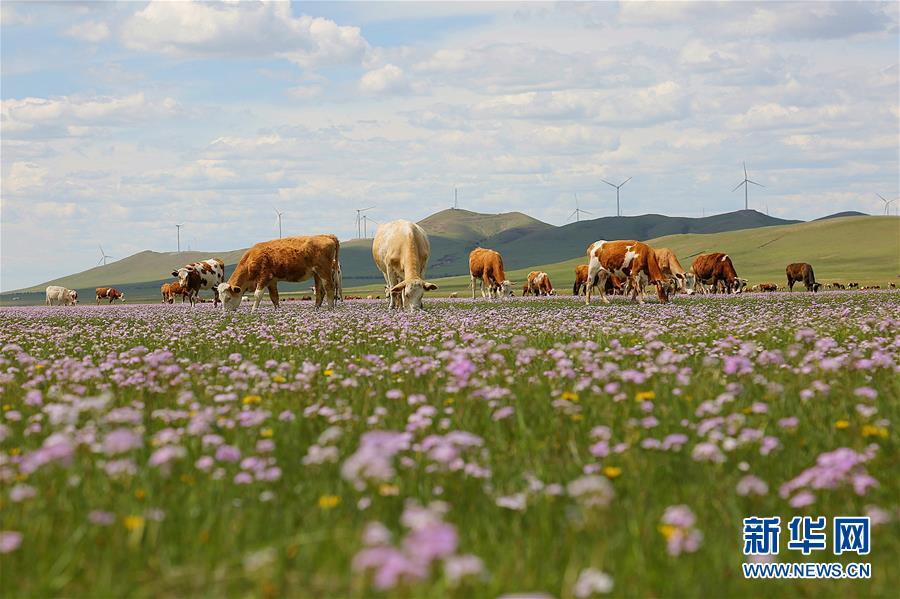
523 241
865 249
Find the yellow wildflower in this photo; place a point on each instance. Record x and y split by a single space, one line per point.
134 522
249 399
842 424
279 379
612 471
326 502
15 451
40 366
140 494
870 430
667 530
387 489
645 395
266 433
328 372
570 396
7 407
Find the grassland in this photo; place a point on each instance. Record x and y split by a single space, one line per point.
469 450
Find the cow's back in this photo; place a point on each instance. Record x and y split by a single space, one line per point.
395 242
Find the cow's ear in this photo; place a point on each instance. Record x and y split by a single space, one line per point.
429 286
236 290
398 287
174 273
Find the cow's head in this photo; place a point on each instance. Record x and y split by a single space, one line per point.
662 291
505 289
73 297
410 292
230 296
816 286
182 273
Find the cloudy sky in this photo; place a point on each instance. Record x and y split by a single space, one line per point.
120 120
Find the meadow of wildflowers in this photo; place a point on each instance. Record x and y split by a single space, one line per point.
470 450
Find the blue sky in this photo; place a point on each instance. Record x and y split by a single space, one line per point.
121 119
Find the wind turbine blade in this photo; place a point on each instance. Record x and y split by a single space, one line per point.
736 187
745 169
100 260
624 182
574 212
755 183
587 212
883 199
607 182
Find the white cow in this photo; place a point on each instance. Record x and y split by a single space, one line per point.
400 250
60 296
209 275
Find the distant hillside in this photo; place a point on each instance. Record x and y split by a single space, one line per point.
523 241
843 214
863 249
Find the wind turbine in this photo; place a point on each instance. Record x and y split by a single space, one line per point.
366 220
178 227
618 187
887 204
359 212
746 183
577 212
279 220
103 256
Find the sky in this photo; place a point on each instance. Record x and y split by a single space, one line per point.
120 120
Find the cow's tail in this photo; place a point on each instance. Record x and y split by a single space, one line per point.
336 273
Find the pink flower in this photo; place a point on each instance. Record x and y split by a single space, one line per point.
9 540
751 485
121 440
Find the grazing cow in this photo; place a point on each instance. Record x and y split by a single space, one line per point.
110 293
538 283
632 261
673 271
487 265
60 296
801 272
837 285
453 294
170 290
852 285
292 259
401 250
210 274
370 296
580 286
768 287
892 285
711 269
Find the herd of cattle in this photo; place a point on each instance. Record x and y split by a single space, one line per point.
401 250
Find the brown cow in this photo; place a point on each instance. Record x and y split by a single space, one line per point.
801 272
170 290
538 283
487 265
110 293
613 284
632 261
291 259
711 269
673 271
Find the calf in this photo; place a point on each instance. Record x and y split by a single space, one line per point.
538 283
487 265
672 270
291 259
110 293
170 290
711 269
401 250
60 296
632 261
801 272
209 273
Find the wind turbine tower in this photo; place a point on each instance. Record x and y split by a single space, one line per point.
359 212
618 187
746 183
279 213
103 256
578 211
178 228
887 204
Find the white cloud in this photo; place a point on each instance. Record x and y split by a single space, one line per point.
65 115
389 79
89 31
22 176
200 29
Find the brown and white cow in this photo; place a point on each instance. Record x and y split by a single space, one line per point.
209 274
292 259
110 293
765 287
801 272
711 269
673 271
581 280
632 261
401 250
60 296
170 290
538 283
487 265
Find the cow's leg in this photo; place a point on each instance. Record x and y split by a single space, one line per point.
594 269
98 300
472 284
257 296
216 295
273 293
320 290
790 284
387 289
602 276
486 282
